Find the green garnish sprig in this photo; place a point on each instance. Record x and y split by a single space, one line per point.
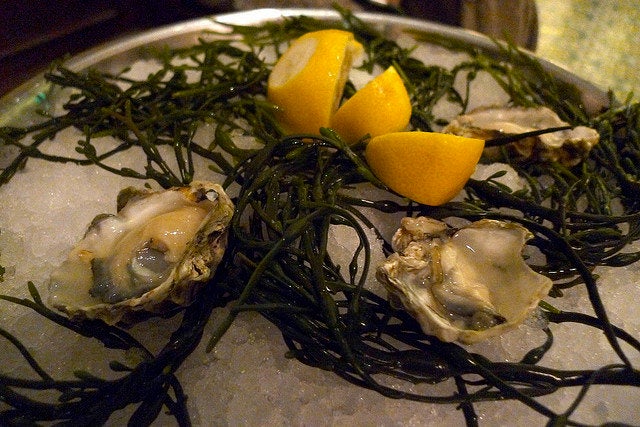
279 261
161 112
146 379
330 320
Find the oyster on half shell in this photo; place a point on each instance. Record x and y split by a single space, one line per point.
155 253
569 146
463 284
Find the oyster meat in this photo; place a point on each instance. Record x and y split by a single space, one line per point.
568 147
155 253
463 284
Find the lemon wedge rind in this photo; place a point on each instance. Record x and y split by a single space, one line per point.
307 81
381 106
427 167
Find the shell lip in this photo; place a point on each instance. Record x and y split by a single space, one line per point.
192 253
466 284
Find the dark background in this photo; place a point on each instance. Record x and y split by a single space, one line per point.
35 32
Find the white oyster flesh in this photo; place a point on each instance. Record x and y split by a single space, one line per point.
465 284
155 253
568 146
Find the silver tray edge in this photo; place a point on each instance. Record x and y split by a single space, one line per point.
120 52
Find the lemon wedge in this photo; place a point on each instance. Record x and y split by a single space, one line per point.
307 81
381 106
426 167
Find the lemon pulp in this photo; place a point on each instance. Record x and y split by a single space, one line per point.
381 106
307 82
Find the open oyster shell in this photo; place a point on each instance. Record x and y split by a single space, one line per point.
568 147
464 284
155 253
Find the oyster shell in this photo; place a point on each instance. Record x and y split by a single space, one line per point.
155 253
568 147
463 284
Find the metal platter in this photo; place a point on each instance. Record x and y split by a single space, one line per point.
19 106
